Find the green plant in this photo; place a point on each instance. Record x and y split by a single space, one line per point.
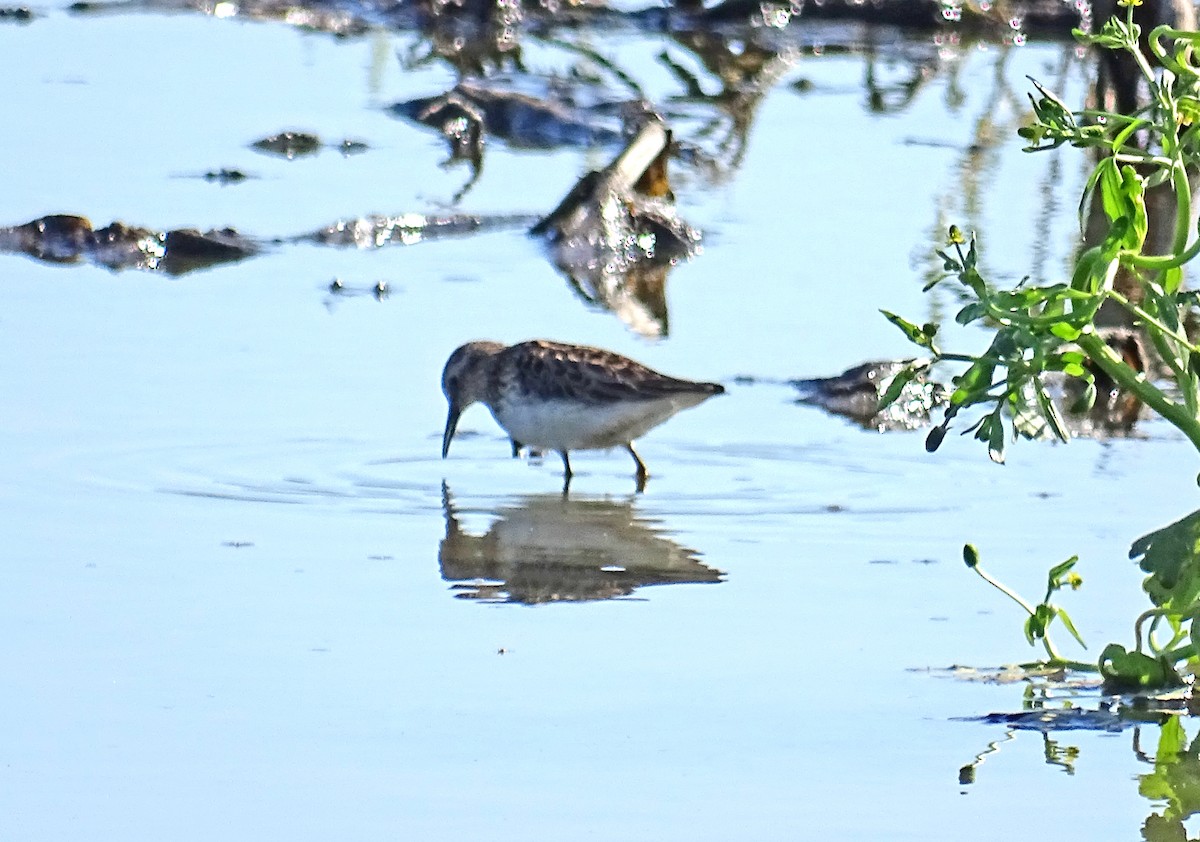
1052 330
1042 615
1041 330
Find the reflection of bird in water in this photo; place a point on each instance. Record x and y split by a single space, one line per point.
552 396
855 394
550 548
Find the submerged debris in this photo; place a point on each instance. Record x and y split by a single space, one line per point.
616 234
1061 698
295 144
472 111
225 176
63 238
407 229
1056 719
289 144
855 394
479 34
521 120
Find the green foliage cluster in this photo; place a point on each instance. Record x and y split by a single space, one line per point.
1049 331
1041 330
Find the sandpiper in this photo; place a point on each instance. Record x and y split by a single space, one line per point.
553 396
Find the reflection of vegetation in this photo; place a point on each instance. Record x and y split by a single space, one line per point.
1175 780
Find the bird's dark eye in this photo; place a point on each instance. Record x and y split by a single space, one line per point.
452 383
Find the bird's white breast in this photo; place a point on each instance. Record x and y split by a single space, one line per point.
572 425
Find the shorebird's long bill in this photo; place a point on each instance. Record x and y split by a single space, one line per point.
451 426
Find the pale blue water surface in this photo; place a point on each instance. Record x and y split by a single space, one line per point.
229 589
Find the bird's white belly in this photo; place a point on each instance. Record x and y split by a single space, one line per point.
570 425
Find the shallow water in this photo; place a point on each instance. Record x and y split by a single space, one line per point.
242 597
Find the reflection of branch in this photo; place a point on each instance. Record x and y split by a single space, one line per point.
746 72
1062 757
608 64
909 88
967 773
685 77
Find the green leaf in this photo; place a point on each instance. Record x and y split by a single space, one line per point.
1054 578
1193 364
1172 279
949 263
973 383
902 378
934 440
1133 188
996 440
1109 184
1171 557
1089 275
1134 670
1065 332
973 311
1066 621
915 334
1050 412
1086 399
1035 626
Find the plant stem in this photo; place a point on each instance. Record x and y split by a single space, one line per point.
1112 365
1151 320
1015 597
1004 589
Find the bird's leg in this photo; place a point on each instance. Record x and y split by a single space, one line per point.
566 473
642 474
516 448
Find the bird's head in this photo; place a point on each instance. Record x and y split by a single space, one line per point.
464 381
